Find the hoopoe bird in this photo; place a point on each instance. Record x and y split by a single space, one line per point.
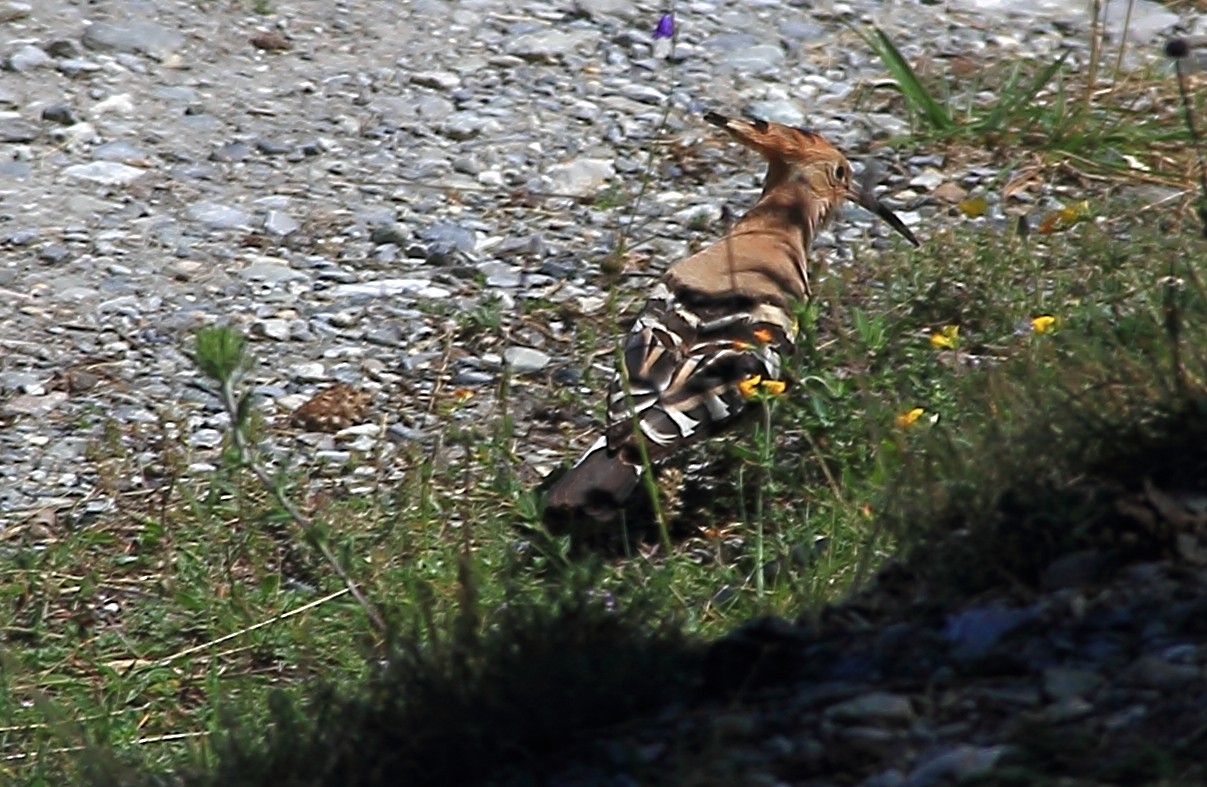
718 325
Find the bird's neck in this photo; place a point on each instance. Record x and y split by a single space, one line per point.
797 218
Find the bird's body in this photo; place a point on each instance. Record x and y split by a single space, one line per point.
718 326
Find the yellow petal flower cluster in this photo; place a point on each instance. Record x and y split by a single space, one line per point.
946 339
1043 323
755 385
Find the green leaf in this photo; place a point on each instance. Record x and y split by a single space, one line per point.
919 99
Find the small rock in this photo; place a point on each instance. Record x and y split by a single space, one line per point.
950 192
1060 683
27 58
275 329
133 36
271 272
394 232
231 152
14 129
522 360
389 288
119 150
110 173
880 707
440 80
755 59
445 240
927 180
551 44
61 113
281 224
1157 673
582 177
956 764
216 216
120 104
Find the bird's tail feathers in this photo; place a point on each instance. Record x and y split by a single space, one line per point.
594 490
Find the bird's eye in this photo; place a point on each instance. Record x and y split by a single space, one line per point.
840 172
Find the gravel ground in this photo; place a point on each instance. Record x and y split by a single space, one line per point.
340 178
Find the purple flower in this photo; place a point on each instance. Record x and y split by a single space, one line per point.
666 27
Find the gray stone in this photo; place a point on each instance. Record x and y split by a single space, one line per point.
394 232
467 125
275 329
1155 672
440 80
271 273
62 113
955 764
216 216
785 111
522 360
231 152
500 274
389 288
109 173
76 66
1060 683
755 59
551 43
928 180
444 240
118 150
582 177
15 129
279 223
879 707
133 36
27 58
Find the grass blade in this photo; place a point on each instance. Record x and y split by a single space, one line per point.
919 99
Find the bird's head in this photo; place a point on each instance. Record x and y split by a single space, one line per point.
804 167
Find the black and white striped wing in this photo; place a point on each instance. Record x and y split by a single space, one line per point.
683 366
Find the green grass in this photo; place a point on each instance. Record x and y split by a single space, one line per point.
142 631
1100 121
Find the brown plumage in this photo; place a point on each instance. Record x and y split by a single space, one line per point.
719 323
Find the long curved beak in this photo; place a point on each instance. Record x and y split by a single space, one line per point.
865 196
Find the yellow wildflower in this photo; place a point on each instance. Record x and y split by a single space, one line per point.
755 385
461 394
907 419
750 385
1065 217
1043 323
774 387
974 207
945 339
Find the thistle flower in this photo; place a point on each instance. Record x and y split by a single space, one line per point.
666 27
